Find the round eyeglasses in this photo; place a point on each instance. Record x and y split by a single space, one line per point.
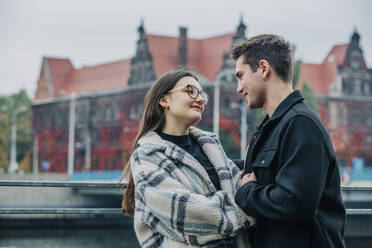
193 92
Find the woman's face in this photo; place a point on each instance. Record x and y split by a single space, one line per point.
182 108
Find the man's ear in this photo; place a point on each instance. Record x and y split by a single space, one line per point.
265 68
163 101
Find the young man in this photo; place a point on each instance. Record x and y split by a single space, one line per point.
291 182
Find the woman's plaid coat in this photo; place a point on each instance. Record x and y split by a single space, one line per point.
176 203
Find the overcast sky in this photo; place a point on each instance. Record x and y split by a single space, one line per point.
98 31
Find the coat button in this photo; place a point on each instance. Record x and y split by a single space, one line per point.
263 161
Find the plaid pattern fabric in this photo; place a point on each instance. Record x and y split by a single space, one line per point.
177 205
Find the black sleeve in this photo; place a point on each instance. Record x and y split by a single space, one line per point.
300 180
239 163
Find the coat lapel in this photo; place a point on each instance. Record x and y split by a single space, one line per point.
216 155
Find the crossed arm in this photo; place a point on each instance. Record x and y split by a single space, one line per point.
167 205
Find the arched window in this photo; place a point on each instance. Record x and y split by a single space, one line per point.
355 63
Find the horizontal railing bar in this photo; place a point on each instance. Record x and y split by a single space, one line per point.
61 184
357 211
356 188
61 211
70 184
113 211
80 184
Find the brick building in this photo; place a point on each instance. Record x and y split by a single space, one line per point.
343 87
107 100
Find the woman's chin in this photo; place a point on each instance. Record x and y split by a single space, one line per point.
195 120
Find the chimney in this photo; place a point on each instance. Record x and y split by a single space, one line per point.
182 48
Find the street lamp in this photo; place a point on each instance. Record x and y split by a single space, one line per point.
13 166
71 133
242 106
216 102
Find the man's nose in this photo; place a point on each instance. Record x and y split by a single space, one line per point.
239 88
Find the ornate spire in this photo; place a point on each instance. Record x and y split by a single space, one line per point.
240 32
141 70
354 54
355 37
141 29
239 37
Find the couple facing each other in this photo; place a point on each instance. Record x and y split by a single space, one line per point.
183 191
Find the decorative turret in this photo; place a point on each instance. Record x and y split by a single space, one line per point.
238 38
354 54
142 70
240 32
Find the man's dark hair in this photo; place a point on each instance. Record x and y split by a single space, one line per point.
270 47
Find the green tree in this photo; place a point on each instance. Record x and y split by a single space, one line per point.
309 96
296 66
296 73
228 144
8 105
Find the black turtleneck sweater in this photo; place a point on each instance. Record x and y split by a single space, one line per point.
189 144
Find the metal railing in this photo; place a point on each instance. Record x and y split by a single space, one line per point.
113 185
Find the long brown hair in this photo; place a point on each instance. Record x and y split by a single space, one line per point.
152 119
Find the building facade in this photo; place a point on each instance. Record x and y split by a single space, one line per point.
105 102
95 111
343 87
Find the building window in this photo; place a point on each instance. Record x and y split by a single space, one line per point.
355 63
108 113
342 120
369 117
116 112
366 88
357 116
344 86
357 86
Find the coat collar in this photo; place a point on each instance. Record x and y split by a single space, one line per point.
157 143
152 142
292 99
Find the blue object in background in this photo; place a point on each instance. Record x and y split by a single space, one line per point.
97 175
45 165
358 164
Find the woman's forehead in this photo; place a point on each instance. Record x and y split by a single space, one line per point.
187 81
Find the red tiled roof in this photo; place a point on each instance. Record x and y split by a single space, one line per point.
108 76
321 76
56 71
204 55
60 69
211 54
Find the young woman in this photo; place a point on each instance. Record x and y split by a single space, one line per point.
181 184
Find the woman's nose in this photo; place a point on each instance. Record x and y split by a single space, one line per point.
200 99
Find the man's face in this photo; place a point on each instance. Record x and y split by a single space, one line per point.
250 84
